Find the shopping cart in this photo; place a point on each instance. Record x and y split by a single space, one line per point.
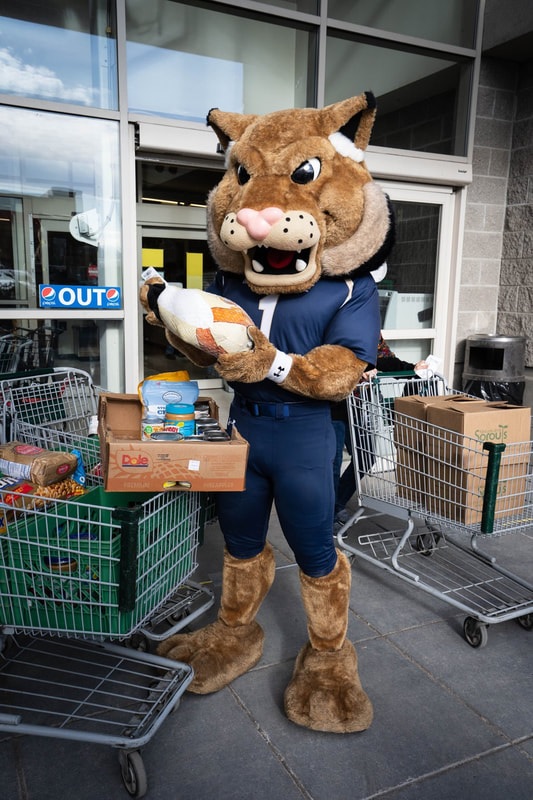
92 568
61 398
450 506
80 572
14 350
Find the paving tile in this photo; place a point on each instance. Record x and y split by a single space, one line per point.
214 749
9 763
507 773
494 680
418 728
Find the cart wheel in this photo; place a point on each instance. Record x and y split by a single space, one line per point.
476 633
425 544
133 772
138 641
526 621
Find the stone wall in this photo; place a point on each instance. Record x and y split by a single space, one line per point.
486 204
515 303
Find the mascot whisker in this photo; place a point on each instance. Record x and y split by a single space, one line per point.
296 226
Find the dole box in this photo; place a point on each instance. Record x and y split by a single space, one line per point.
132 465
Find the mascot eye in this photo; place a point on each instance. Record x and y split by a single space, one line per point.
307 172
243 176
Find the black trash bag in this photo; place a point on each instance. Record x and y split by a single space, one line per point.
509 391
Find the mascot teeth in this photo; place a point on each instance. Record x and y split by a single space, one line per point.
300 265
257 267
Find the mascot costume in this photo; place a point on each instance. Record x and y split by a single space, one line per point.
296 226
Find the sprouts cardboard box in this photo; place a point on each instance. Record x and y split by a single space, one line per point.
456 462
131 465
441 463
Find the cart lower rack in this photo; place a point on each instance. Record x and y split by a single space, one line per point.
453 495
90 692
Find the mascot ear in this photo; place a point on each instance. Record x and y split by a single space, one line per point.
349 124
359 126
228 126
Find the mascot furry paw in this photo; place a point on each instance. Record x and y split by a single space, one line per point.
297 226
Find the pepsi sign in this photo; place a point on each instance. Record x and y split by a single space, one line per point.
57 296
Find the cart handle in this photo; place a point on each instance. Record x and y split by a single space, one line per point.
491 485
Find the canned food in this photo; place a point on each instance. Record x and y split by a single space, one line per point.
216 436
150 424
166 436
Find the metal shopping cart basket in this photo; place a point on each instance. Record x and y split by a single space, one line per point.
74 575
189 599
62 399
452 495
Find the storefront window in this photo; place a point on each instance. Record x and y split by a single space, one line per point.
423 100
63 172
182 61
452 22
63 52
60 227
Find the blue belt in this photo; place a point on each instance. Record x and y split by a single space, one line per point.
277 410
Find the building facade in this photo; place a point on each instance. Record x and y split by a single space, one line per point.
106 162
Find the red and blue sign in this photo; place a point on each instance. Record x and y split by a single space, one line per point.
58 296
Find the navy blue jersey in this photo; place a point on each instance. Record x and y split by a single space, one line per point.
337 312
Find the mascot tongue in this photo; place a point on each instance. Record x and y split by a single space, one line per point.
278 259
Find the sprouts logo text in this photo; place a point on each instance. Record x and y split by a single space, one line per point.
498 434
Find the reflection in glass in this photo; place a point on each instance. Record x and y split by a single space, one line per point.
182 61
422 100
452 22
407 292
64 52
65 170
15 283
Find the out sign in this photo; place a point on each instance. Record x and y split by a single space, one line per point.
59 296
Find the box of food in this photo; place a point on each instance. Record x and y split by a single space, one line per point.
456 461
410 433
132 465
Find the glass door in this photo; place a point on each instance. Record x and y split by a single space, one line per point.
416 297
182 258
171 237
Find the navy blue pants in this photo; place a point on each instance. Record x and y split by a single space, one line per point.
290 464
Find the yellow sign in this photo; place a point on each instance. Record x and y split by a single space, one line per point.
152 258
195 270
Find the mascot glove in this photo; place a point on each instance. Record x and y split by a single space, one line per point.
252 366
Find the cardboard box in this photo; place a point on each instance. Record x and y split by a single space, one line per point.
472 422
457 494
131 465
410 433
456 462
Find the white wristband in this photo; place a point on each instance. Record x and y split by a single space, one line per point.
280 367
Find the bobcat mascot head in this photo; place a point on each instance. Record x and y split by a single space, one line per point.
297 201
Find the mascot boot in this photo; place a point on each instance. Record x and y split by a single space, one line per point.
233 644
325 693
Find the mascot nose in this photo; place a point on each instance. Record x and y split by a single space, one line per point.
259 223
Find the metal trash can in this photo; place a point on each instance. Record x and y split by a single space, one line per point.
494 367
